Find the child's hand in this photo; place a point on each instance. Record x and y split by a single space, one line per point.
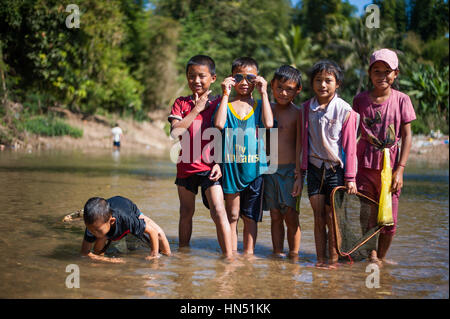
106 259
261 84
397 180
298 187
200 101
227 84
216 173
351 187
116 260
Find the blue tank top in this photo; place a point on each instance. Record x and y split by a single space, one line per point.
243 151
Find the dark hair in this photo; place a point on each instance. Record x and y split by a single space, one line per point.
202 60
288 73
243 62
96 208
327 66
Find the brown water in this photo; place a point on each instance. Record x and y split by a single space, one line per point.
37 190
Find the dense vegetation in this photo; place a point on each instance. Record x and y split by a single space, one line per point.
128 56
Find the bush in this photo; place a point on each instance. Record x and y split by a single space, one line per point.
50 126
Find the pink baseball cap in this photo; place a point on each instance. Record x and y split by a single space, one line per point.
385 55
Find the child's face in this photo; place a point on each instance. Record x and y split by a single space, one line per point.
325 85
245 86
99 228
381 75
284 92
199 78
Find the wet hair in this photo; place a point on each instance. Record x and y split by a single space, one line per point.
243 62
202 60
96 208
288 73
329 67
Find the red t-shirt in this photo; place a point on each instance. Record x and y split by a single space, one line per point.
199 157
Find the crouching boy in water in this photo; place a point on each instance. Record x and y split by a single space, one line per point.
111 219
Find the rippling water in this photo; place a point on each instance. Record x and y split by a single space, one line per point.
37 190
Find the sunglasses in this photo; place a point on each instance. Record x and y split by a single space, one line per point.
238 78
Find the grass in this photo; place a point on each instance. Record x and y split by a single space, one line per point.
51 126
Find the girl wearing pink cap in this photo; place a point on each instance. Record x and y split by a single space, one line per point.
385 118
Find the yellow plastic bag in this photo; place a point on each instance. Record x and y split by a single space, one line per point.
385 203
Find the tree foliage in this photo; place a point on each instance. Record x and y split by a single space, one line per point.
129 56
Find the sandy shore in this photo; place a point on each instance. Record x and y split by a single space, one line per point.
430 150
146 137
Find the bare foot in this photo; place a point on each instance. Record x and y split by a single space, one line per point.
278 255
293 256
373 258
321 265
333 265
388 261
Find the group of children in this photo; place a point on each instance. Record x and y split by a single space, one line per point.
317 140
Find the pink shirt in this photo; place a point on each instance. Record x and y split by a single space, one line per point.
334 130
375 119
200 158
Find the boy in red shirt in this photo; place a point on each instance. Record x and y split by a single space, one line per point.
189 118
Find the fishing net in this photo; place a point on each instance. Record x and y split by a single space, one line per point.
351 214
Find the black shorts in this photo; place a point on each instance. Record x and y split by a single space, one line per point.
250 199
116 144
322 181
201 179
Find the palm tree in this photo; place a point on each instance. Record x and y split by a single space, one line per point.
298 51
354 43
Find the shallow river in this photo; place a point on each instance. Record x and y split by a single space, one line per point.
38 189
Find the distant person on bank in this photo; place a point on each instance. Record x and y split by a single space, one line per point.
117 134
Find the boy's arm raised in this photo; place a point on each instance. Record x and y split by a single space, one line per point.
221 115
180 126
267 115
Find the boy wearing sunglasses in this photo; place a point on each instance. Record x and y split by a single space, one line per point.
244 158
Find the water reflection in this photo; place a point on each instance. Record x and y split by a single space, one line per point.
37 190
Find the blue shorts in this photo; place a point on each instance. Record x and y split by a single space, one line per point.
251 200
116 144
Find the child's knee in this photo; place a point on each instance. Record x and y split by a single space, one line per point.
276 217
218 208
233 216
186 212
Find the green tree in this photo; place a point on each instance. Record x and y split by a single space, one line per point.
393 13
298 51
428 88
226 30
429 18
352 45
